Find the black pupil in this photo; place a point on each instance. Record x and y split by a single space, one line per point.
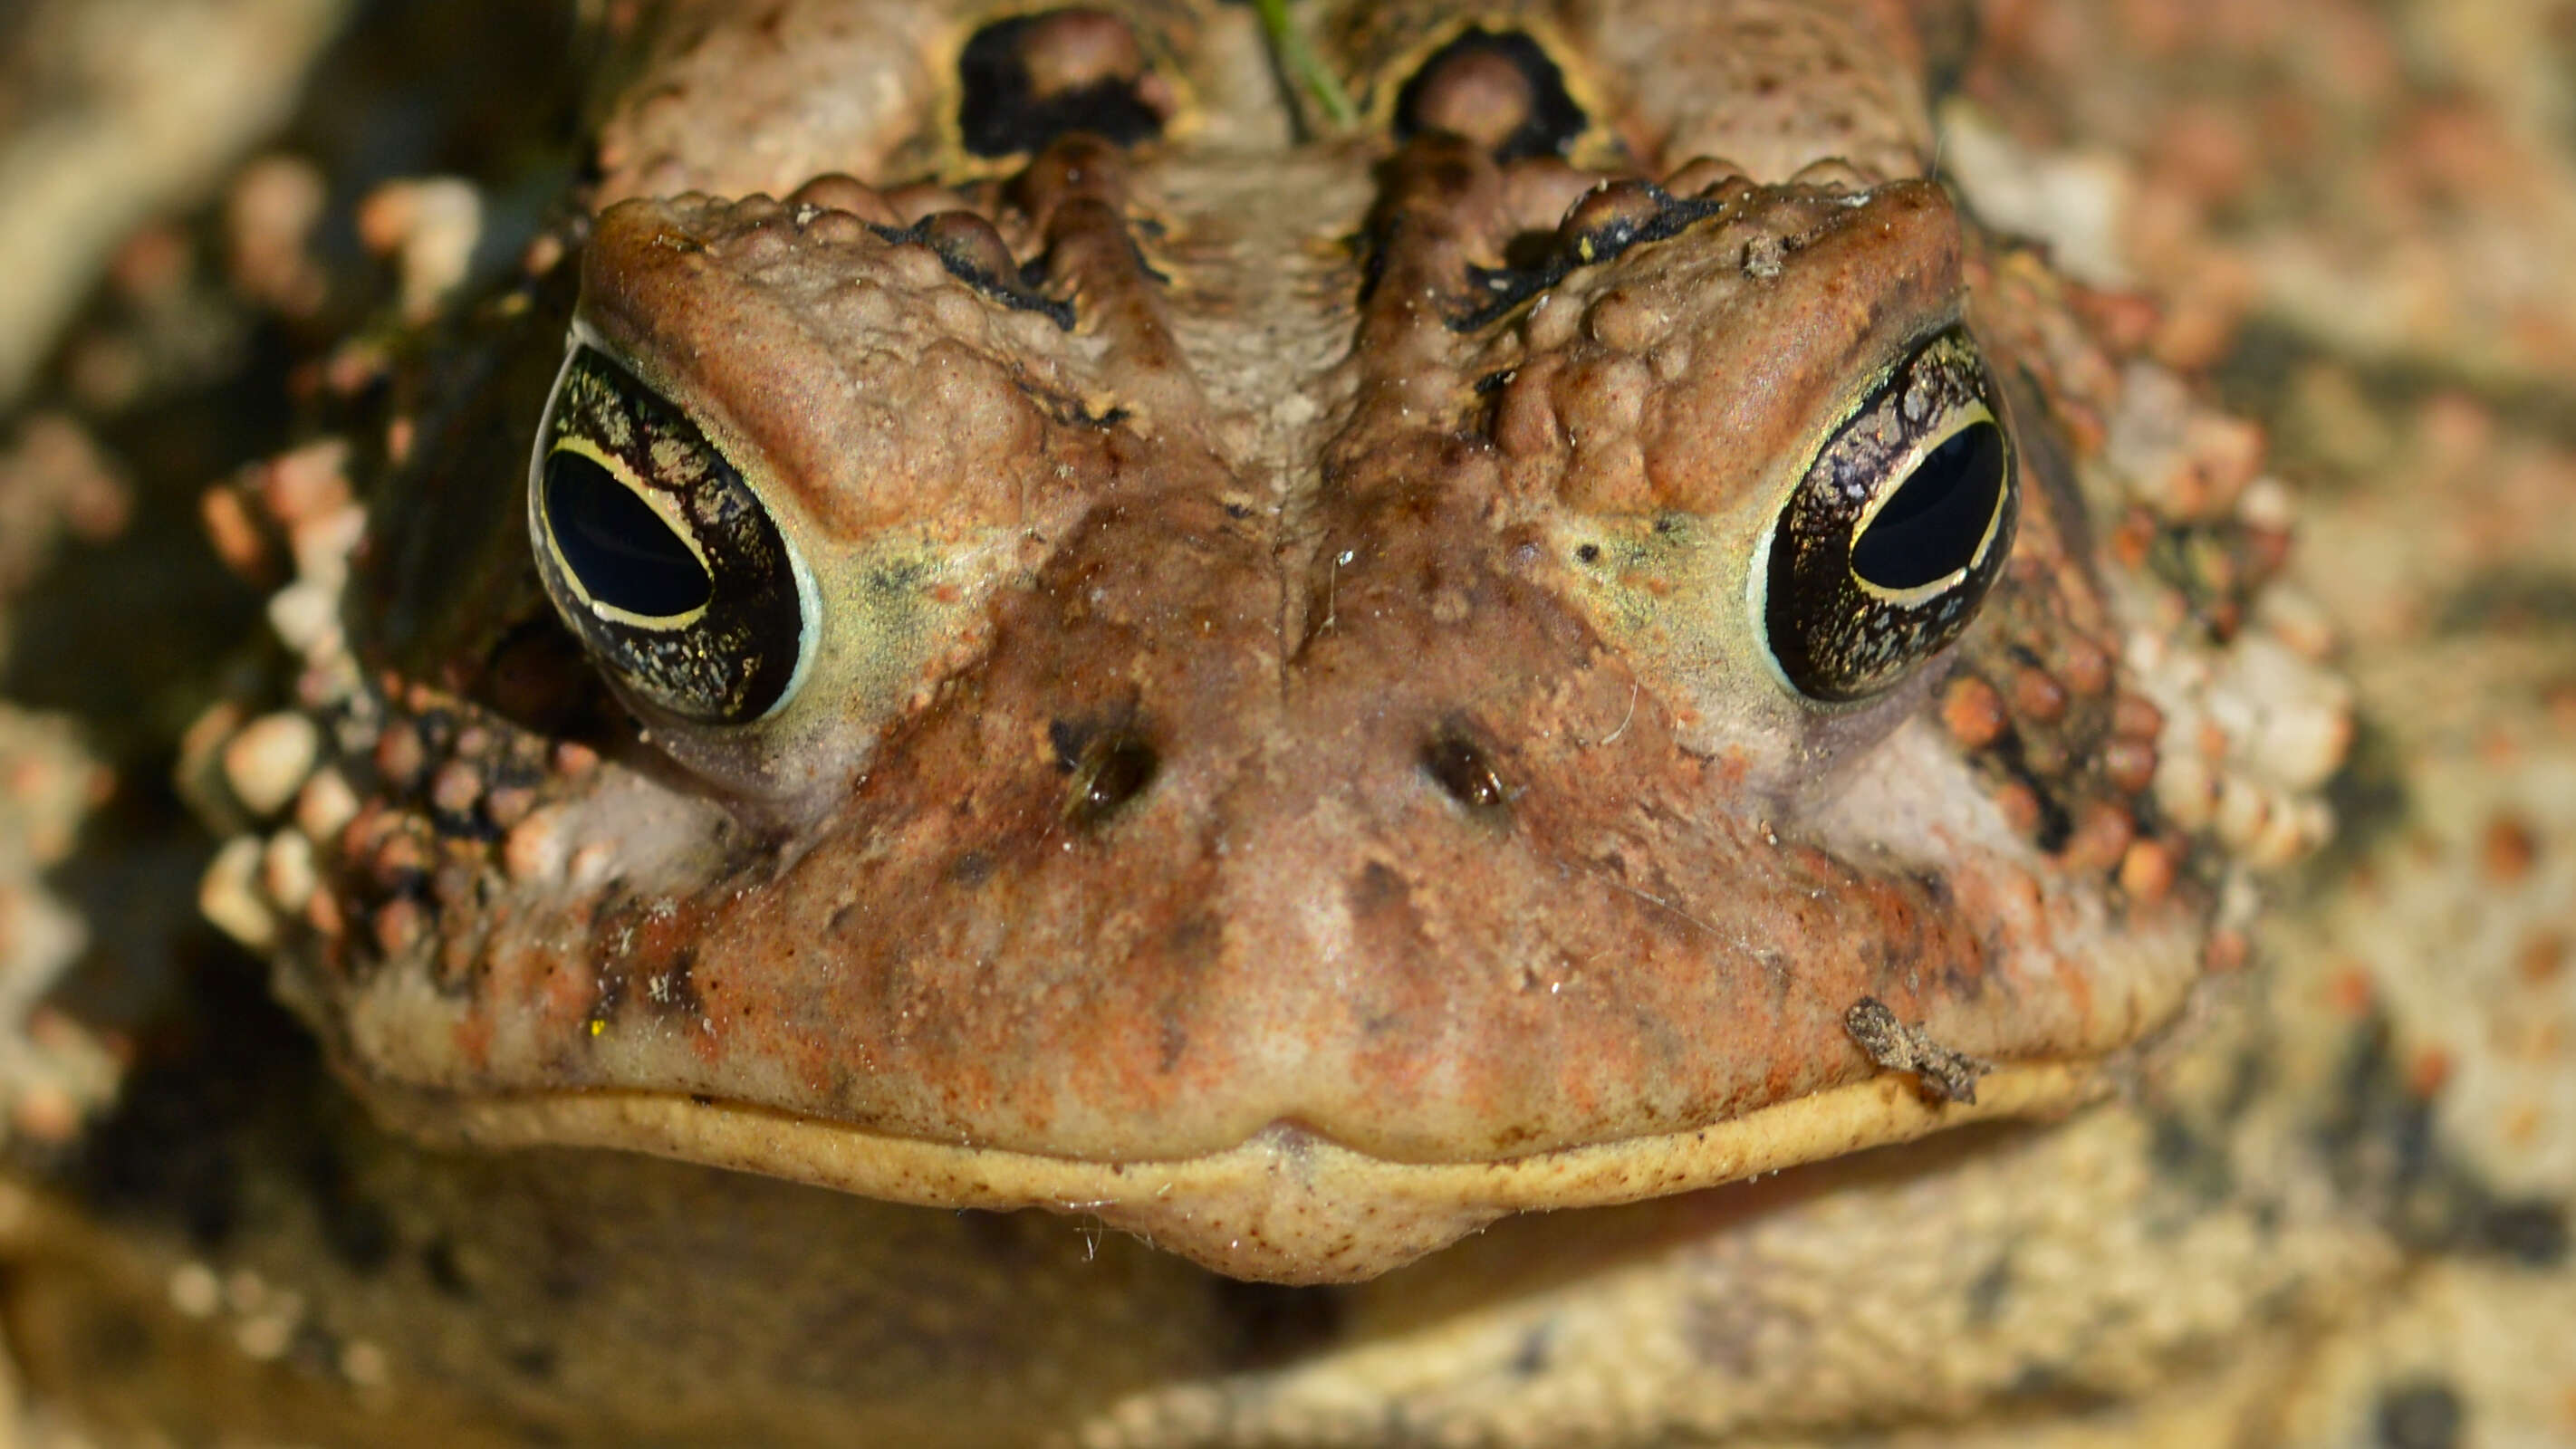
620 549
1931 528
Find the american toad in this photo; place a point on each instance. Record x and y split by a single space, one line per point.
1022 614
1293 696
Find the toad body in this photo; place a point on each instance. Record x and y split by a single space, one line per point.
1026 615
1295 695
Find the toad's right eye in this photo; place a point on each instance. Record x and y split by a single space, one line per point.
659 555
1886 549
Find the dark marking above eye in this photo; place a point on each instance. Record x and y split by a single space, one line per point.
1497 89
970 246
1030 78
1932 526
1459 767
1603 225
1114 768
972 250
622 552
1609 218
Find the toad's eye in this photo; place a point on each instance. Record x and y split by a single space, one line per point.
1892 538
659 555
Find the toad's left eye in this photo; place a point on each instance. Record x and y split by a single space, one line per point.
659 555
1892 538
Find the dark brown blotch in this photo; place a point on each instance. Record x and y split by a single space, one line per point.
1376 888
2419 1414
1499 90
971 869
1028 79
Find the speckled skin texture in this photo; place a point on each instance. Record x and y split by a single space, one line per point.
2317 1195
1467 820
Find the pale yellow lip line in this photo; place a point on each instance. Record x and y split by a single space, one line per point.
1283 1204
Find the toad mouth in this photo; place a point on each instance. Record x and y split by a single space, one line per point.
1285 1205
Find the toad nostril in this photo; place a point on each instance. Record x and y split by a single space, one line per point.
1459 767
1031 78
1114 769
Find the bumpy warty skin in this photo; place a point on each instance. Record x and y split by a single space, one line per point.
1285 756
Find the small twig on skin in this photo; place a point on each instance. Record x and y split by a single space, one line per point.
1947 1075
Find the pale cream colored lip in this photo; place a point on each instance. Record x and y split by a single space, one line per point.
1284 1206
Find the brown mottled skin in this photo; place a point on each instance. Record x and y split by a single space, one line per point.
1274 519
